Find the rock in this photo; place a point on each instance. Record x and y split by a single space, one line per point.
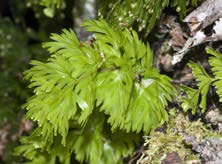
210 149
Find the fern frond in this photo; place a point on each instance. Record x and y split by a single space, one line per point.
203 80
94 144
57 84
143 114
115 73
67 40
54 93
115 87
32 150
97 144
190 101
113 92
104 33
216 64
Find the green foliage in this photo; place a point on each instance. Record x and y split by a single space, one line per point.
113 74
94 143
216 64
142 14
181 6
191 100
50 6
204 81
159 143
13 46
15 53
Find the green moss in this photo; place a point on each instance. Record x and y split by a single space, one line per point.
160 143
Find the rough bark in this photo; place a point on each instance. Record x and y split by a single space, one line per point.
206 14
209 149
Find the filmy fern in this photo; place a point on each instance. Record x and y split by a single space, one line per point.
190 101
82 84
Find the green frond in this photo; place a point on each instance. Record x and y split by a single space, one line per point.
97 144
121 66
113 92
125 13
104 33
31 149
53 93
216 64
88 144
149 98
203 80
58 87
67 40
93 144
190 100
116 73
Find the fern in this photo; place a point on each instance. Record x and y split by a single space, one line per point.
190 101
204 81
216 64
142 14
114 75
94 143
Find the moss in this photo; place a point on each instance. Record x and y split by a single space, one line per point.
160 143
